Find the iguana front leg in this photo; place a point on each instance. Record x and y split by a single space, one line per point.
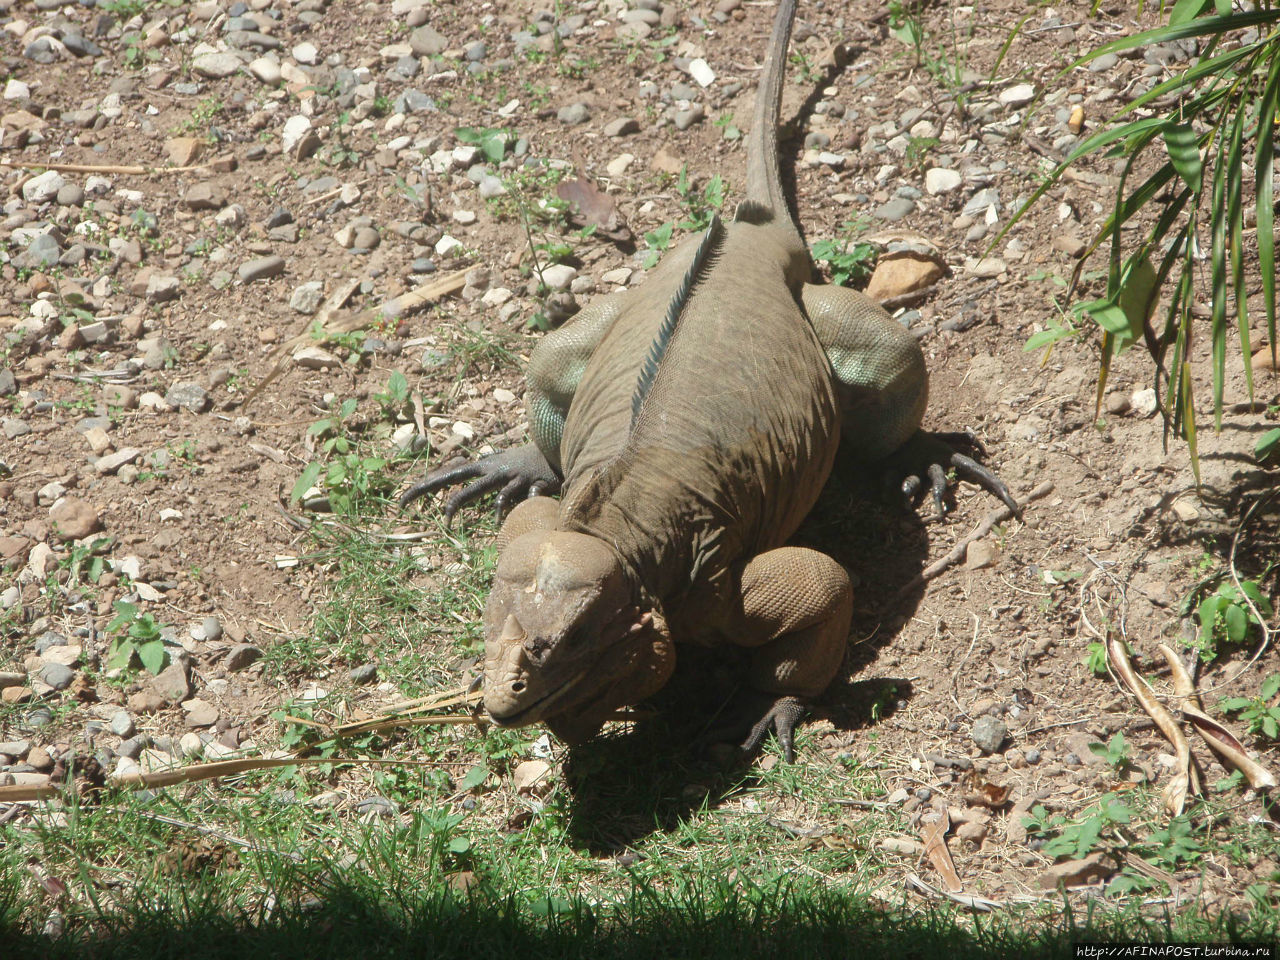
555 369
883 388
793 605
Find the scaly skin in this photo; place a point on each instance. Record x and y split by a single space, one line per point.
674 520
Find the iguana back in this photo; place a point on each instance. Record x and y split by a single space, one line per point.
729 442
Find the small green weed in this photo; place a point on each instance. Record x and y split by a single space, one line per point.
1268 446
135 634
1225 615
1261 715
492 141
657 241
699 206
1115 752
850 260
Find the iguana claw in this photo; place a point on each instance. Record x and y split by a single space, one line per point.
515 474
932 454
782 717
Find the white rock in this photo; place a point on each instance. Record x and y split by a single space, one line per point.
215 65
306 53
503 395
447 246
618 275
464 217
316 358
1143 402
496 297
43 187
985 267
702 72
1020 94
169 513
558 276
44 310
942 180
295 128
265 70
618 165
833 160
405 436
16 90
463 430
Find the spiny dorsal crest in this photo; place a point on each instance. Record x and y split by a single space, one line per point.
701 259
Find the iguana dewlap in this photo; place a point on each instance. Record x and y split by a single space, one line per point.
691 424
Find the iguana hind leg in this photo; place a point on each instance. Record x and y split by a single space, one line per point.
881 381
796 604
883 388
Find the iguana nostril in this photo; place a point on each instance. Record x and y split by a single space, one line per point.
517 687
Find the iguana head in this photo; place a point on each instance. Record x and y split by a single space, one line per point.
565 640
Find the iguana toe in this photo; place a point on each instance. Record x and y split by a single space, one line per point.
516 474
782 718
931 455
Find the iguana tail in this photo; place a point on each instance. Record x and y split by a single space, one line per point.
765 197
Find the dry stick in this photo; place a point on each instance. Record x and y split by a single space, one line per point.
98 167
403 305
999 515
972 901
1175 791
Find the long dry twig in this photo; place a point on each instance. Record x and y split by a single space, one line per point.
403 305
99 167
999 515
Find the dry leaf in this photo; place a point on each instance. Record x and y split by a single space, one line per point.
589 206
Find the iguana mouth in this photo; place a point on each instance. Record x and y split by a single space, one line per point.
522 716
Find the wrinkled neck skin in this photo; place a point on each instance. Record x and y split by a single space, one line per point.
660 522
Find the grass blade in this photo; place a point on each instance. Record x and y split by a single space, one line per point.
1184 11
1189 419
1266 198
1206 26
1218 272
1235 223
1184 152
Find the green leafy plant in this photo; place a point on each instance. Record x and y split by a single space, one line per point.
851 261
492 141
1214 121
394 401
1063 326
135 634
1115 752
1225 615
1098 826
658 241
1261 715
1096 658
350 475
699 205
1268 445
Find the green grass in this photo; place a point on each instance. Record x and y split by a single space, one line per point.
318 883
